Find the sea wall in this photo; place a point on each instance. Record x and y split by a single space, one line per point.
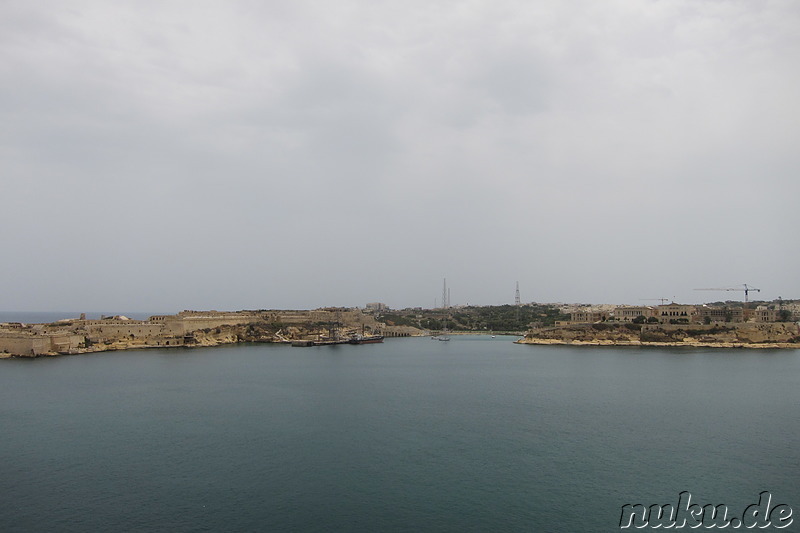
29 345
33 345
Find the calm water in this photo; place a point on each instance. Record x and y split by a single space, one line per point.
477 434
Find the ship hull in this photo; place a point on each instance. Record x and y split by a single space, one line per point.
368 339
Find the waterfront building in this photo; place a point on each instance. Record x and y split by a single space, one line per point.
676 312
716 313
588 316
627 313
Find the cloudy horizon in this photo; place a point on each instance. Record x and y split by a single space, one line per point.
245 155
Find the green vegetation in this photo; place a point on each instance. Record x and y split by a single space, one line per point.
477 318
399 318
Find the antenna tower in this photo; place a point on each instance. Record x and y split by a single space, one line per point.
445 301
516 296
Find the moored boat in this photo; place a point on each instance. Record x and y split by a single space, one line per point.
366 339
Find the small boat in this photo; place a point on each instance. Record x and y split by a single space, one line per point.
366 339
363 338
443 336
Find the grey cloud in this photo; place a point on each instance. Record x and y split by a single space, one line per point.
300 154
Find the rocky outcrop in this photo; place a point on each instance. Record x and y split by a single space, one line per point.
748 335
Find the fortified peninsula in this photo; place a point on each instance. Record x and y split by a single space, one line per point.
190 329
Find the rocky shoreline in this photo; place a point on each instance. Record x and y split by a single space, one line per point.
766 345
746 335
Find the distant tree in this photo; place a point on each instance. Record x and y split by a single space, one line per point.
652 320
639 319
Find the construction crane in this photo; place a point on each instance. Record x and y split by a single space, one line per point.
662 300
745 287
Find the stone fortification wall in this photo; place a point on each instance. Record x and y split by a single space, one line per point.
288 317
401 331
183 325
33 345
115 330
350 317
188 321
70 343
24 344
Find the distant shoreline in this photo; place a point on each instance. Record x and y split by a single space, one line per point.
741 335
211 328
556 342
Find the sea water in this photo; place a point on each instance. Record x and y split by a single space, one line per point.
475 434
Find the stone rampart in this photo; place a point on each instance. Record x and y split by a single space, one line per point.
24 344
185 325
116 330
27 344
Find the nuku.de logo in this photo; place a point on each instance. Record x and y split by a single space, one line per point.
687 514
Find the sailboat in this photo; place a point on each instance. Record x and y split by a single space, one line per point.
443 336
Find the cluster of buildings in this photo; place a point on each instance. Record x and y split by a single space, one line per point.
674 313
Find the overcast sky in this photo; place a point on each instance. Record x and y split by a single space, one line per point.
160 156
